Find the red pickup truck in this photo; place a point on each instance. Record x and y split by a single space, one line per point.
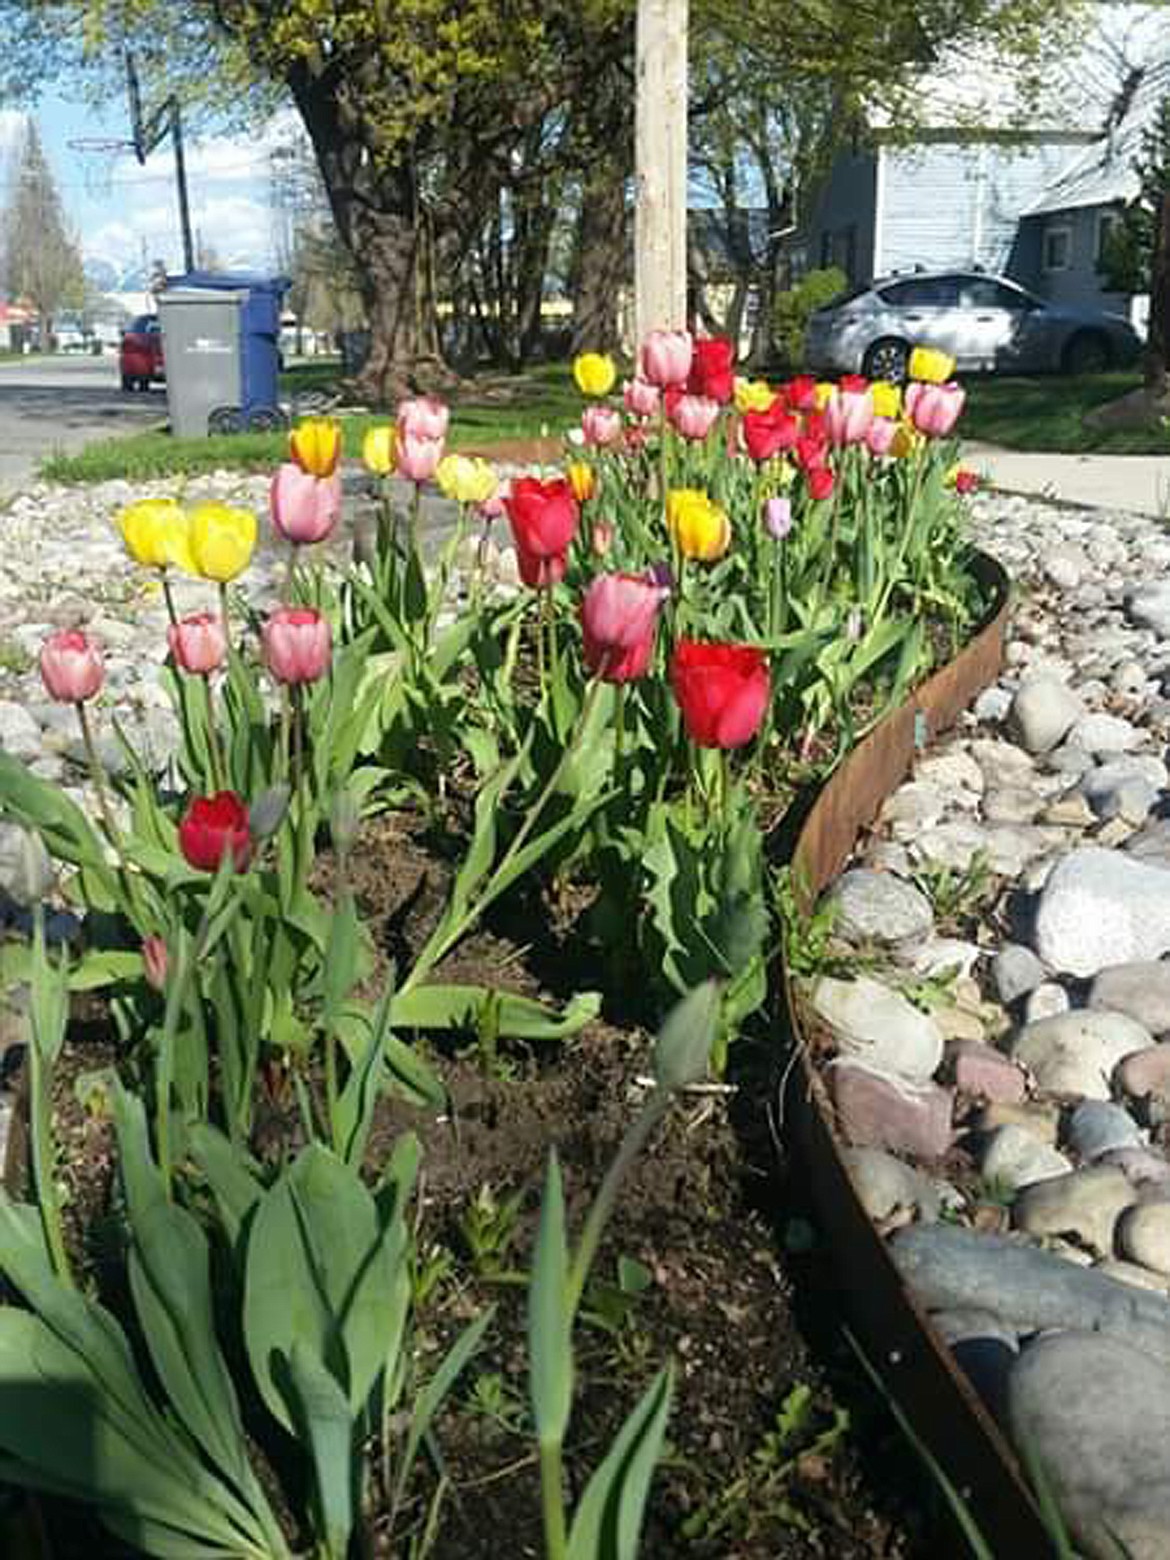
141 356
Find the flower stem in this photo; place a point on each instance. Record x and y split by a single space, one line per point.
168 597
552 1501
214 750
109 827
415 508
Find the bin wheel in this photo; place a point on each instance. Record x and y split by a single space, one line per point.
128 383
225 419
267 419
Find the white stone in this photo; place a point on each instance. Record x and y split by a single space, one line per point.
1013 1158
1100 907
1042 712
878 1027
1076 1052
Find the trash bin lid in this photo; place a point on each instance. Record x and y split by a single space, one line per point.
227 281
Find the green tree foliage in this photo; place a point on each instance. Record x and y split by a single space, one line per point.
41 259
1129 250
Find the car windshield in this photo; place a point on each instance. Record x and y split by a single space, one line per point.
141 325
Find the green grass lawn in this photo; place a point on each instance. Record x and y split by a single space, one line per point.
1046 414
485 411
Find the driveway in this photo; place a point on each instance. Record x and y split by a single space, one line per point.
62 403
1140 483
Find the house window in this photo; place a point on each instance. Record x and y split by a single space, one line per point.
1106 228
1057 248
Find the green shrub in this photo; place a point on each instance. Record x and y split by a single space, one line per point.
792 308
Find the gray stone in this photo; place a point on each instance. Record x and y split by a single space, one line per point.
940 956
1132 1273
1085 1204
1011 804
886 1185
1042 711
1103 735
1013 1158
1095 1413
1143 1235
947 1266
879 1027
1101 907
1149 607
1151 843
954 844
1015 971
19 733
957 1325
951 773
1140 1166
1069 760
992 705
1099 1127
1140 990
915 805
1066 566
1125 788
1046 1001
876 907
1075 1053
1146 1073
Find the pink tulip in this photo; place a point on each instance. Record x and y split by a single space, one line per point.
666 357
601 538
880 435
641 398
848 415
423 417
417 458
304 508
619 613
298 645
934 409
601 425
694 415
198 643
496 507
71 666
778 517
155 961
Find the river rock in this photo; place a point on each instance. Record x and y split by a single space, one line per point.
1015 970
879 1027
1132 1273
1046 1001
977 1068
1085 1204
1101 907
1013 1158
1036 1117
1151 843
876 907
1140 990
1141 1167
1098 1127
1042 711
19 733
1075 1053
940 956
1149 607
887 1185
1143 1235
1103 735
875 1111
1146 1072
952 773
1095 1413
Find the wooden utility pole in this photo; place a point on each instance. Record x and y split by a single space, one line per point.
660 221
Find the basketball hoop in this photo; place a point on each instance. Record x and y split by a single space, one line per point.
100 155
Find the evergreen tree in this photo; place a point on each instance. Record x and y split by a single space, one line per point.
41 259
1127 260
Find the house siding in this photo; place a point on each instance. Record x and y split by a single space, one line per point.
947 204
840 230
1078 285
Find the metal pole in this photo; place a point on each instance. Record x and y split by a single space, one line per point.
660 220
181 181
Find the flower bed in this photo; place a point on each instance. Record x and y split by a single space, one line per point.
395 792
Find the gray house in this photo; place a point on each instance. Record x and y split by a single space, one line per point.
1020 186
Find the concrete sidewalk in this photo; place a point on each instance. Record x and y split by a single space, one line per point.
1139 483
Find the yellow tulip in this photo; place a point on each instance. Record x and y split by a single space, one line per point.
378 449
825 388
931 366
906 441
595 373
315 445
468 479
156 534
222 540
700 528
887 398
582 479
753 395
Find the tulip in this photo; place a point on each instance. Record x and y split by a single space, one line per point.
822 390
304 508
619 610
934 409
214 827
753 395
699 527
601 539
666 357
416 458
541 573
820 482
155 533
155 961
907 441
966 481
778 517
423 417
601 425
810 449
594 372
582 479
641 398
199 643
712 375
315 445
887 398
693 415
767 433
71 666
465 478
930 366
543 517
495 507
880 435
801 393
378 449
848 414
222 540
298 645
722 691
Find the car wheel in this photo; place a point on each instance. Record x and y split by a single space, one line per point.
886 359
127 382
1086 353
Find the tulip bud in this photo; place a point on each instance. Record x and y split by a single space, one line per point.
666 357
155 961
198 643
601 425
298 645
71 667
423 417
304 508
594 373
641 398
601 538
778 517
582 479
417 459
268 812
315 445
378 450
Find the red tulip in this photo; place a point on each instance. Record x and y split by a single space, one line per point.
541 573
722 691
199 642
71 666
666 357
693 415
214 827
712 369
802 393
601 425
641 397
820 482
298 645
934 409
768 433
966 481
423 417
543 516
304 508
811 447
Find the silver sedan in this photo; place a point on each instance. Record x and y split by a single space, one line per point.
984 323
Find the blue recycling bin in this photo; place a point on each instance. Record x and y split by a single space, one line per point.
261 301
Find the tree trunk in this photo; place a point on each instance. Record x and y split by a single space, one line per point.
1157 356
603 258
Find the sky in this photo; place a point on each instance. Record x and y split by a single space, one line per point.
128 215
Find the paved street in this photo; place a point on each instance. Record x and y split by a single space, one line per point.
61 403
